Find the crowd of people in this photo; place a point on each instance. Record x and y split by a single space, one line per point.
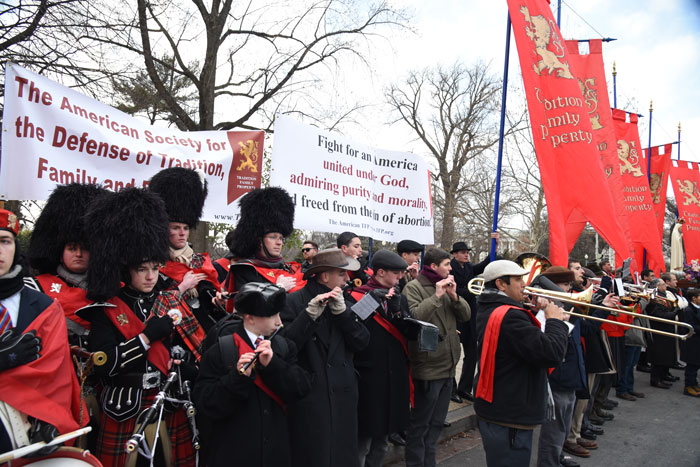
111 320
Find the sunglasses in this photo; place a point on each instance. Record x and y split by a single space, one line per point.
306 250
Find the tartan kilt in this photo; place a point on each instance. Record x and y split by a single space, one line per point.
113 435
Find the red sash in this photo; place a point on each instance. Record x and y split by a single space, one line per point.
47 388
176 271
70 298
129 325
244 348
484 389
395 333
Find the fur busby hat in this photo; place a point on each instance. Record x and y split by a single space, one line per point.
183 191
263 211
61 222
126 229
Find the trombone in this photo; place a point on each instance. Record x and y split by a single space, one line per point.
476 286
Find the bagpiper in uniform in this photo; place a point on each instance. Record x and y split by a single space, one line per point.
267 217
132 324
184 191
39 392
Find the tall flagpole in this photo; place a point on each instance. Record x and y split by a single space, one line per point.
679 140
559 14
501 131
651 111
614 85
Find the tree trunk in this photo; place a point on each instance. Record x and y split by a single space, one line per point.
199 237
448 221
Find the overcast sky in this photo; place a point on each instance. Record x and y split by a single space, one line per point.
657 54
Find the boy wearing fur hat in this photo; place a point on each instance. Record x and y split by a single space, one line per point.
323 425
384 383
133 325
39 392
59 253
243 404
184 192
267 218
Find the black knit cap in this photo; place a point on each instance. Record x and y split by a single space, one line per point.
126 229
263 210
61 222
183 191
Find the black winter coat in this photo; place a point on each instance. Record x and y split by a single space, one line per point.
246 426
323 425
662 351
462 275
690 348
523 355
384 387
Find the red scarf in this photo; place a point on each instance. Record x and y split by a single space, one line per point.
484 389
70 298
384 323
47 388
244 348
129 325
176 271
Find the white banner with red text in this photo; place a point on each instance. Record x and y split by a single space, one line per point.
343 185
54 135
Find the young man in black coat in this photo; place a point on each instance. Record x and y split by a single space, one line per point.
515 355
384 384
323 425
243 404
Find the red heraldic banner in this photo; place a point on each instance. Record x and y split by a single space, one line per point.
658 181
245 173
637 196
685 179
590 74
569 162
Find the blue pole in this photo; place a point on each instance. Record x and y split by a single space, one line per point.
558 14
500 139
371 245
651 111
614 85
679 140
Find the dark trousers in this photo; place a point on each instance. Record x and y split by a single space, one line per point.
466 380
625 383
658 372
431 402
554 432
504 446
372 450
691 374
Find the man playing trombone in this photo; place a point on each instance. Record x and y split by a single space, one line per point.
514 356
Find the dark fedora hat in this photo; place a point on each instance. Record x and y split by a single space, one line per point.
332 258
460 246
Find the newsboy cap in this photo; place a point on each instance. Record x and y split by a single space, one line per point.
502 268
409 246
388 260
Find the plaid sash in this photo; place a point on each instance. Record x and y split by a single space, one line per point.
189 329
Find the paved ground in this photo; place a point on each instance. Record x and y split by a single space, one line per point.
662 429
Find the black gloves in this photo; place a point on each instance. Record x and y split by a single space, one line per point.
158 328
43 431
17 349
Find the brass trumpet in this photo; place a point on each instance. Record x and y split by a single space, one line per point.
476 286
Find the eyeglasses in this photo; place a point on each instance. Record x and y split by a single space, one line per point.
306 250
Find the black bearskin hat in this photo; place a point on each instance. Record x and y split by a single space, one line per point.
60 223
126 229
262 211
183 191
